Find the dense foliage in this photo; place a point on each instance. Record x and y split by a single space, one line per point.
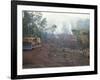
82 33
33 24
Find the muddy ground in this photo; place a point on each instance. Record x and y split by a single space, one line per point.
50 56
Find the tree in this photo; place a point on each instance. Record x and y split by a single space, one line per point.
33 23
53 28
43 24
26 22
82 33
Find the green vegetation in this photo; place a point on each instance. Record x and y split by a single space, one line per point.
33 24
82 33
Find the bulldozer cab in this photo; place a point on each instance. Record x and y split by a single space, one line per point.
31 42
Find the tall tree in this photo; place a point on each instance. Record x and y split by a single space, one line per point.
33 23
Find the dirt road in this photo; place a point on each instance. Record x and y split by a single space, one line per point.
49 56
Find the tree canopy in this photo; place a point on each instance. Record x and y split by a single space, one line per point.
33 24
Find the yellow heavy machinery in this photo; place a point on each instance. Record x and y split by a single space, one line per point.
31 42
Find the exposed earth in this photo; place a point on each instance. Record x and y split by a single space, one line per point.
49 56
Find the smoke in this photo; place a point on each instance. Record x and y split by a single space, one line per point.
61 20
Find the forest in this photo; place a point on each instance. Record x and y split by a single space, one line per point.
56 39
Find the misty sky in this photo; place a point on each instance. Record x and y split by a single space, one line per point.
61 19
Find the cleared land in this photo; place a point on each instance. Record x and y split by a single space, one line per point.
48 55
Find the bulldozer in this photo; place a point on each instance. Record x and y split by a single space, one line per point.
30 43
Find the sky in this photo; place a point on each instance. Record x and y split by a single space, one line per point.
61 19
